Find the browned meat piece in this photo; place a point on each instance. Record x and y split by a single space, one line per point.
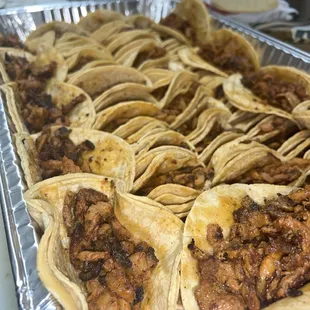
84 199
68 166
67 210
37 118
106 300
120 232
141 268
10 41
96 214
208 299
194 177
275 172
300 195
69 107
94 289
228 57
59 155
279 93
92 256
176 22
16 67
118 282
45 72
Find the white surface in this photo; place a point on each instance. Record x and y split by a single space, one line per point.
8 300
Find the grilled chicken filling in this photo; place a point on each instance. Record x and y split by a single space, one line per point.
279 93
114 267
227 56
37 107
194 177
58 155
10 41
272 171
265 257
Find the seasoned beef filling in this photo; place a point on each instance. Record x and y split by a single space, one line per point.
273 171
265 257
37 108
58 155
114 267
156 52
194 177
227 57
10 41
279 93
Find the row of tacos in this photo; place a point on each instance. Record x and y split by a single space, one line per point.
124 127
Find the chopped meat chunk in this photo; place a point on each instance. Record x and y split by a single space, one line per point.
10 41
59 155
264 258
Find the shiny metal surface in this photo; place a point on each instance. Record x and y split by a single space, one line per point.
22 237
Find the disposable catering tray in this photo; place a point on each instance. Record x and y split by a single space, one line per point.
21 234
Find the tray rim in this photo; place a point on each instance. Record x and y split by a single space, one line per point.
287 48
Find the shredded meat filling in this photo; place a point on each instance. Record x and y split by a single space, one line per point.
265 257
58 155
229 57
114 266
279 93
194 177
273 171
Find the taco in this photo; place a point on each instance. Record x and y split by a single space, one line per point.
136 124
70 44
272 131
131 264
191 18
246 247
297 145
123 92
167 165
230 52
12 63
301 113
61 150
45 35
93 21
82 59
206 126
113 117
19 65
252 162
272 90
96 81
108 32
139 51
190 58
152 140
177 198
32 105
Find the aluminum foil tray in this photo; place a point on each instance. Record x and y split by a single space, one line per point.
21 234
